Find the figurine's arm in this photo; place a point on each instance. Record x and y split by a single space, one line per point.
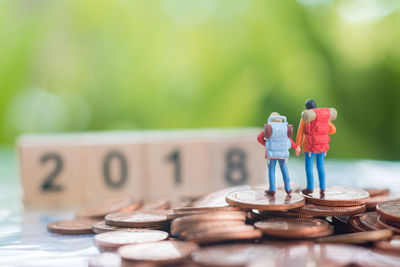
294 145
332 128
260 138
300 133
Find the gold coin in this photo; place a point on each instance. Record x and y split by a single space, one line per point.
324 211
141 218
111 205
116 239
373 201
257 199
389 210
338 196
357 238
214 237
71 227
158 252
292 227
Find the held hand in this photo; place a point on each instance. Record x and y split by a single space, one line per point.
298 151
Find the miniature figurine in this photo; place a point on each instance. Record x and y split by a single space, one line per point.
313 135
277 139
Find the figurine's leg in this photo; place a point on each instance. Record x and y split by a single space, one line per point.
271 174
321 170
285 175
309 158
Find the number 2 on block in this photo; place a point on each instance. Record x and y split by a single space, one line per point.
48 183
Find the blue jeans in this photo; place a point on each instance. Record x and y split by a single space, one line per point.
271 174
320 167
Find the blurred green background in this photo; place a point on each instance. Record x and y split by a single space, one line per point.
73 65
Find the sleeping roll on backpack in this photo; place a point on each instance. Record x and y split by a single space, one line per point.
278 133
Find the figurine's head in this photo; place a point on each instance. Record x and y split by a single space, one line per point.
274 114
310 104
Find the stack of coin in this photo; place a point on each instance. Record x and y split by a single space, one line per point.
389 216
143 219
208 203
295 228
213 227
84 220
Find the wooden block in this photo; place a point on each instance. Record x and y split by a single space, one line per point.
50 175
178 168
112 170
237 161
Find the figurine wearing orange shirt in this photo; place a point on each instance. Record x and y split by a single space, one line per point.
313 136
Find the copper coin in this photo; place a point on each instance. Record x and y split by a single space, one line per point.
102 227
212 216
257 199
291 227
357 238
282 214
382 223
111 205
217 199
234 255
158 252
392 245
323 211
105 259
175 215
71 227
116 239
176 228
373 192
355 223
373 201
338 196
215 230
369 220
390 210
155 204
149 218
215 237
205 209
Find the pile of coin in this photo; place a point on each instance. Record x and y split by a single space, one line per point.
259 229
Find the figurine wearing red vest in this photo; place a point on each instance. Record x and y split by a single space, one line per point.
313 135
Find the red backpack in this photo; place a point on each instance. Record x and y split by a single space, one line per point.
317 131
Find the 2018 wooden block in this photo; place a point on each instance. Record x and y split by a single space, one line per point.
75 169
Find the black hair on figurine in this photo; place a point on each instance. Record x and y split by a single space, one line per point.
310 104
